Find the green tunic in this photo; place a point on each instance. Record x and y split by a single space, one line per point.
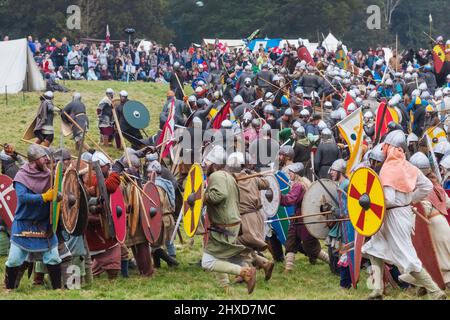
222 200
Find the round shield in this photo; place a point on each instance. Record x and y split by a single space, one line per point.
270 208
314 200
8 200
136 114
193 200
151 214
71 201
365 202
436 135
82 222
119 215
57 205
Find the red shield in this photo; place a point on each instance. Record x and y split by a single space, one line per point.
151 216
303 54
8 200
425 249
119 215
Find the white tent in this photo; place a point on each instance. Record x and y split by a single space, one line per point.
18 70
331 43
311 46
147 45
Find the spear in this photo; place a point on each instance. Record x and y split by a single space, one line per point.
300 217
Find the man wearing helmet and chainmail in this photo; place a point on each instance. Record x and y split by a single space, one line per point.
327 153
393 244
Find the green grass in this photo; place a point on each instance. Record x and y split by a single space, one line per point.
188 281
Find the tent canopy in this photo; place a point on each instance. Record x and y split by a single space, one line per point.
18 70
331 43
231 43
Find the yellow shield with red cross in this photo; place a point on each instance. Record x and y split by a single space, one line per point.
193 200
365 202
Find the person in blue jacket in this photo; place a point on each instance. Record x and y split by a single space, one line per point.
31 232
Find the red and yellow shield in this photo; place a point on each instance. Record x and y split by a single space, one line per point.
193 200
365 202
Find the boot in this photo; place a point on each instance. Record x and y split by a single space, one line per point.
38 279
171 262
268 270
22 270
11 277
54 272
156 259
290 259
324 257
249 276
423 279
377 274
124 268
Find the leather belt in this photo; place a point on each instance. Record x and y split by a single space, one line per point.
391 208
226 225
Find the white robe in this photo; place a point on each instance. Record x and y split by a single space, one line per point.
393 242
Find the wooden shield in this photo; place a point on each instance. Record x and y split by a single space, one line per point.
29 133
270 208
193 191
71 201
119 214
151 215
423 242
281 227
83 212
365 202
57 186
314 199
106 217
8 200
134 203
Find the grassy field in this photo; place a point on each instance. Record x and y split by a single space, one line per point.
188 281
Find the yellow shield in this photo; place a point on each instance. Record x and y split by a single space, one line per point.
436 134
365 202
193 200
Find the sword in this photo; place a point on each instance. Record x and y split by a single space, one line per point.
174 234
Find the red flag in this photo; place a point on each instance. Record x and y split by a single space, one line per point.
348 101
222 115
108 35
439 57
168 132
387 118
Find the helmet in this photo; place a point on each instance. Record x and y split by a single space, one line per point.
377 154
322 125
389 82
326 134
328 105
299 91
438 94
396 139
76 96
49 95
304 113
109 91
297 168
226 124
216 156
202 102
368 115
176 65
423 86
408 76
415 93
192 99
287 151
248 80
420 161
101 158
276 78
247 116
269 96
339 165
442 148
301 132
392 126
289 112
154 166
269 109
373 94
445 162
351 108
236 160
123 93
35 152
425 95
238 99
198 90
440 39
412 137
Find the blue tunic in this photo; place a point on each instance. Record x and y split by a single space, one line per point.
32 215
